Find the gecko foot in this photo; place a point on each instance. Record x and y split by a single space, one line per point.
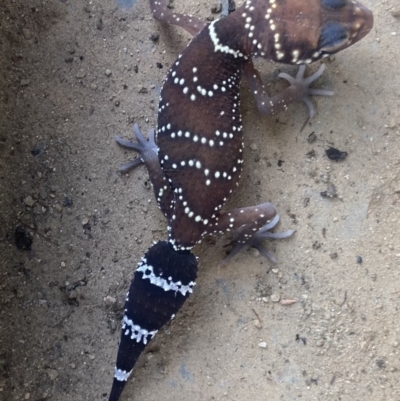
243 240
147 149
301 82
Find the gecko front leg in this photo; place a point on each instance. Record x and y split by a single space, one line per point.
299 90
162 13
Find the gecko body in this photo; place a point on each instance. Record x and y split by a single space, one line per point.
195 156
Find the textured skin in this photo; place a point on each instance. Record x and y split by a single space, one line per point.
196 158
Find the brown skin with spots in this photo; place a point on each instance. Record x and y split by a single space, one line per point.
290 31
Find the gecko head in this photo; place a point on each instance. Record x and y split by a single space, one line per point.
301 32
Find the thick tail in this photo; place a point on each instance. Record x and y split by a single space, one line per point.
162 282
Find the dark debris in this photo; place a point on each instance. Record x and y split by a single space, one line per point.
335 154
23 240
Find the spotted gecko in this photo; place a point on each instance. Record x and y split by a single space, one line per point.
195 156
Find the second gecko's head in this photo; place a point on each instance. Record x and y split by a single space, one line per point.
303 31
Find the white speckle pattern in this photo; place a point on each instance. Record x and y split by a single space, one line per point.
121 375
136 332
166 285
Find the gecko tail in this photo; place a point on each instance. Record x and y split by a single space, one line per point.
161 284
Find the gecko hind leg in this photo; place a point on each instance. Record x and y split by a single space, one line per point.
243 240
147 149
249 226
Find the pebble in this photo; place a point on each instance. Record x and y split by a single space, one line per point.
395 12
262 344
275 297
29 201
85 221
288 302
253 147
27 396
43 192
110 300
81 74
53 374
257 324
108 72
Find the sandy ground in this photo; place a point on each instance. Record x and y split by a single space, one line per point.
74 74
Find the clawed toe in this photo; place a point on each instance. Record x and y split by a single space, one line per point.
256 240
143 146
302 82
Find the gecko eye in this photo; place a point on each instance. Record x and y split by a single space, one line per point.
335 4
333 38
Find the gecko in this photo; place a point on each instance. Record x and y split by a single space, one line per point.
195 155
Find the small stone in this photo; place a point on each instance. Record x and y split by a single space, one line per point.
27 33
395 12
25 82
311 138
29 201
99 24
85 221
27 396
275 297
62 264
43 192
334 255
108 73
287 302
93 86
275 271
331 191
257 324
109 301
154 37
253 147
53 374
359 259
262 344
216 8
255 252
58 207
80 74
72 366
